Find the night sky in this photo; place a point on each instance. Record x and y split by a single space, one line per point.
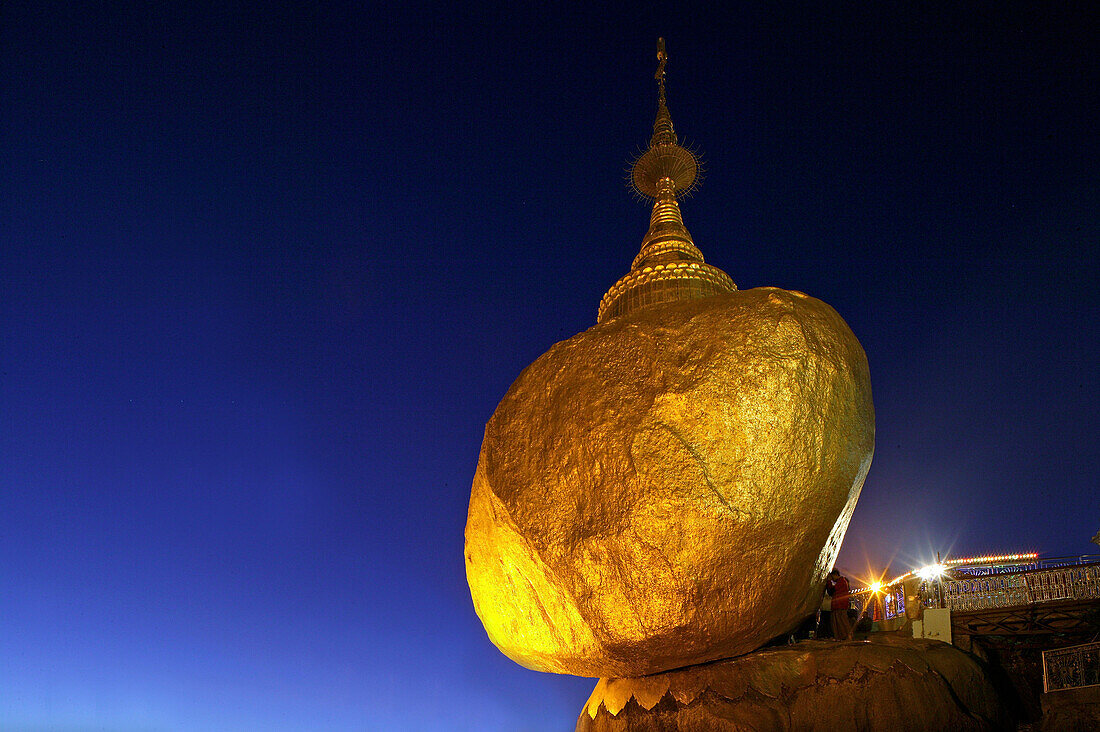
266 273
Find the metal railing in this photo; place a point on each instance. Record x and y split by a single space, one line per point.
1071 668
1073 582
1051 562
982 570
890 602
893 601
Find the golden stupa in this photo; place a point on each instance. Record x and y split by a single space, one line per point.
669 266
672 485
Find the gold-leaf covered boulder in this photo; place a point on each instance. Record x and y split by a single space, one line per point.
671 486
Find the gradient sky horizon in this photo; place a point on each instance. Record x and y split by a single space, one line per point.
266 273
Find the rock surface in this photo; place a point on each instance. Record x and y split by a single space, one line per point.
669 487
1071 710
885 684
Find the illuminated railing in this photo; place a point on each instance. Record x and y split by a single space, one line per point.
893 601
1051 562
1011 563
1071 668
1075 582
890 602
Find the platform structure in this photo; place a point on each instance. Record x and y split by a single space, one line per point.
1011 601
1024 614
1053 604
994 596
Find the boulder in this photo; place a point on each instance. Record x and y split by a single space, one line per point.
670 487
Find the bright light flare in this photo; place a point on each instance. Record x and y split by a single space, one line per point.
931 572
876 586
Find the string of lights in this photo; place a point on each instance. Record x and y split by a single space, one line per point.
936 571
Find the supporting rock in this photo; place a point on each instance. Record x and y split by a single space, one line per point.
889 683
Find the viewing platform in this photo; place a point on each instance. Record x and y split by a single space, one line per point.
1036 618
971 585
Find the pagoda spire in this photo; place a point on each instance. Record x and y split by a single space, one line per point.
668 266
662 128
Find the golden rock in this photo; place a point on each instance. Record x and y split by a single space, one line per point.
670 486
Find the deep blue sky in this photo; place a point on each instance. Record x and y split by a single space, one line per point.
265 274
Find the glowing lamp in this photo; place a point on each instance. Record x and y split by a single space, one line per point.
931 572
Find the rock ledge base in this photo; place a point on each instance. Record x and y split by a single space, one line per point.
888 682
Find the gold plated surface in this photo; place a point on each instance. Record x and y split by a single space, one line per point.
665 157
671 486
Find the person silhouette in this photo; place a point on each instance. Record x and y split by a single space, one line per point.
838 618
